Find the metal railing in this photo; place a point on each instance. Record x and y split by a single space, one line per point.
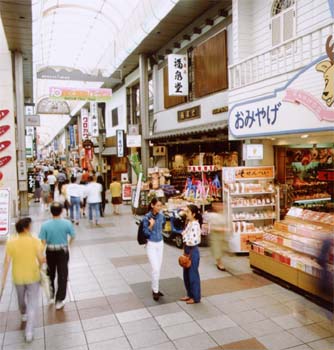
289 56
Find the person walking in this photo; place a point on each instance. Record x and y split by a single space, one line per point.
153 223
94 199
61 178
218 237
75 196
52 182
116 195
46 192
38 190
26 254
103 194
56 235
192 238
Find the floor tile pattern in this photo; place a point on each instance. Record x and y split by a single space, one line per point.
110 306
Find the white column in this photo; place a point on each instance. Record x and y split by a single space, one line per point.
19 92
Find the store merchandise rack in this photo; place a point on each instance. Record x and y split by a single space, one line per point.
290 249
251 202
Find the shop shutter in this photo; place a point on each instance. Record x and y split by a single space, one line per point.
288 24
276 30
171 101
210 66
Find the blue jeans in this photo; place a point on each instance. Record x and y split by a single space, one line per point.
94 207
75 209
191 277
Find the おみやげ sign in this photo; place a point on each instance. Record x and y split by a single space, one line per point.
304 104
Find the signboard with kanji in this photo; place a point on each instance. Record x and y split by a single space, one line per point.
177 75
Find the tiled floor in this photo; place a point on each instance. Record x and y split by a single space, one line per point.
110 305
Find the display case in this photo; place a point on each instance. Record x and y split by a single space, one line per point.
290 249
251 203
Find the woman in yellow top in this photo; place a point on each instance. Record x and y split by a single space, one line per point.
116 195
26 253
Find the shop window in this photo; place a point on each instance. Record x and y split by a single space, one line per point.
114 117
171 101
210 66
283 21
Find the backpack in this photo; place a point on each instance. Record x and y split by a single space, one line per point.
141 238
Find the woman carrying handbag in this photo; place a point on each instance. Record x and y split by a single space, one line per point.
192 238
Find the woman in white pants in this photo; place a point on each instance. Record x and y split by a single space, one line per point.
153 223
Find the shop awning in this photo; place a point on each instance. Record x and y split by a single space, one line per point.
108 151
193 130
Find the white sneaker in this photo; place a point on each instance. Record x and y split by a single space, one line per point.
29 337
24 317
60 304
52 301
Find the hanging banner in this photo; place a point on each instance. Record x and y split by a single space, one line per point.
177 75
72 136
120 143
4 211
76 94
93 120
84 124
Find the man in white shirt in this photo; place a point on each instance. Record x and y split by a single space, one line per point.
75 196
94 199
52 182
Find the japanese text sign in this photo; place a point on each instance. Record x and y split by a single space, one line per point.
4 211
93 120
76 94
248 173
177 75
120 143
84 123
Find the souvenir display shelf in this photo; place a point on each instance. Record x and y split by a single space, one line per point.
289 250
251 202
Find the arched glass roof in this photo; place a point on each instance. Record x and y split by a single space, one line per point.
90 34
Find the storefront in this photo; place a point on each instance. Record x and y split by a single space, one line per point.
183 151
295 126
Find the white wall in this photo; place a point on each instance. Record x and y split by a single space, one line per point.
252 19
9 171
118 100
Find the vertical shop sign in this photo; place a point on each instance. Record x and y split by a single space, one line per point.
84 124
55 144
120 143
93 120
76 135
72 136
31 182
4 211
177 75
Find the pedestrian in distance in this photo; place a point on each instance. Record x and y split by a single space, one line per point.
46 193
56 235
52 180
192 238
153 223
75 197
116 195
26 254
103 194
94 199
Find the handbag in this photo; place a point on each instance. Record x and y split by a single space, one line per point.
185 260
45 283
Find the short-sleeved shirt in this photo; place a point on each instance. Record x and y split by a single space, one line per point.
56 232
115 189
24 249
